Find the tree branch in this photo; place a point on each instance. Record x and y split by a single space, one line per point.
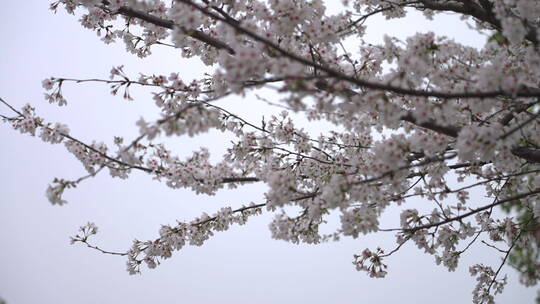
169 24
482 12
529 154
474 211
360 82
468 8
431 124
112 159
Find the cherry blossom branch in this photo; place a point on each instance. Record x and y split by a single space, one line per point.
489 215
169 24
392 172
494 247
101 250
382 176
489 180
84 238
514 241
363 18
86 232
407 238
529 154
228 113
520 126
127 165
125 81
128 82
468 8
82 178
333 73
471 242
246 84
360 82
474 211
6 118
518 109
10 107
451 131
239 210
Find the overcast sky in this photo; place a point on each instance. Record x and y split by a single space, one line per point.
242 265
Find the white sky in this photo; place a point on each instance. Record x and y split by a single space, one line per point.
242 265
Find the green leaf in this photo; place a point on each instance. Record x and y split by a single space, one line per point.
499 38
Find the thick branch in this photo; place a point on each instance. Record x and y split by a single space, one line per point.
529 154
431 124
522 152
193 33
481 12
201 36
360 82
468 8
134 13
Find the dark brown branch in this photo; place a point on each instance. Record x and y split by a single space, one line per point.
521 125
475 11
169 24
530 154
511 115
201 36
468 8
239 179
482 12
134 13
431 124
474 211
360 82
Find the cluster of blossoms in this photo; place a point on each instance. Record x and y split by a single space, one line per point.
194 233
371 262
85 232
425 118
486 282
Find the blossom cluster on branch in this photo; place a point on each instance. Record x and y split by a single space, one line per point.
425 118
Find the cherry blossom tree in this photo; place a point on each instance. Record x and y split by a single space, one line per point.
422 118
